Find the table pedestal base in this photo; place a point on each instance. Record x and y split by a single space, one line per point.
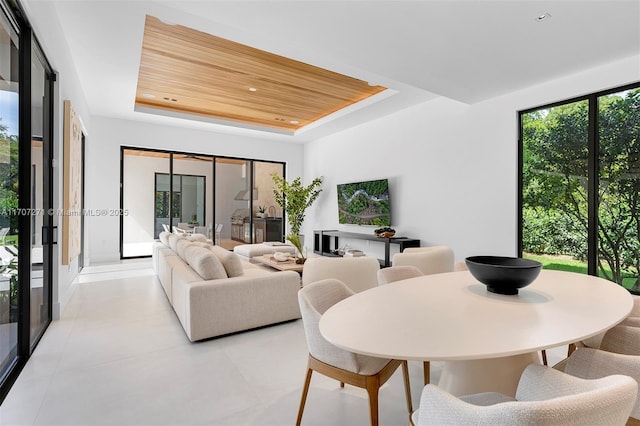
485 375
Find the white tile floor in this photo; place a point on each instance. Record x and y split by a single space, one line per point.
120 357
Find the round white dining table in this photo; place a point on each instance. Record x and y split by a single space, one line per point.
487 339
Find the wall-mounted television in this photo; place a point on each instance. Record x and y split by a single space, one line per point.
364 203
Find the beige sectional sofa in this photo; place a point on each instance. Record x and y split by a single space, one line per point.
214 292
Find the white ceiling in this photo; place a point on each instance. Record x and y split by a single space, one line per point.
468 51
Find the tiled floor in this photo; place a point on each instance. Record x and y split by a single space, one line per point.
120 357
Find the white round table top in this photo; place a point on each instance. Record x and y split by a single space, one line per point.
452 316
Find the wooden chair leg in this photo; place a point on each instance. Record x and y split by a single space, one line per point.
544 357
426 366
373 386
407 387
303 399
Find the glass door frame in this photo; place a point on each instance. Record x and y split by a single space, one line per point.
593 169
27 41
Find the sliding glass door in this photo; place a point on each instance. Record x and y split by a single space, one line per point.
228 200
26 87
163 191
193 193
9 156
580 185
246 211
40 198
234 198
142 200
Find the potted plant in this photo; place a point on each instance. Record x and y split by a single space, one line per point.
294 199
262 211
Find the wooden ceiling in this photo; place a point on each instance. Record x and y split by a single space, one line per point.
187 71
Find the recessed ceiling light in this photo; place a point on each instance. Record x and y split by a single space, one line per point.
149 95
253 89
543 17
294 122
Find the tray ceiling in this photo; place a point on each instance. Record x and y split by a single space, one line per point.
187 71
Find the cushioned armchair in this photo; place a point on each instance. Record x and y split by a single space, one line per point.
362 371
544 397
633 320
397 273
358 273
589 363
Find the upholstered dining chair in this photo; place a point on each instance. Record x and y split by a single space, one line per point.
430 260
588 363
358 273
362 371
633 320
397 273
404 272
622 339
544 397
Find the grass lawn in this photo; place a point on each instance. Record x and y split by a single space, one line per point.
565 263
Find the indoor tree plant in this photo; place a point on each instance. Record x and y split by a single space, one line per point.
294 199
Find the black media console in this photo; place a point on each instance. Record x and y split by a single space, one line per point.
325 243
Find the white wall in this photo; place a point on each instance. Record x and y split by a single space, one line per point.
49 33
452 167
103 167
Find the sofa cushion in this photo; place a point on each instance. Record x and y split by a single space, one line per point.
164 238
204 262
231 261
173 240
201 244
197 237
181 245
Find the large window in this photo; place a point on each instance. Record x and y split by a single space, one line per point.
580 187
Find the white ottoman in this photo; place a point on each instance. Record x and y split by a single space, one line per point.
252 250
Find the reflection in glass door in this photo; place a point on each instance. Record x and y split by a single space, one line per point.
9 153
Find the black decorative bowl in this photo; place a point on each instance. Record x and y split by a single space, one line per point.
503 275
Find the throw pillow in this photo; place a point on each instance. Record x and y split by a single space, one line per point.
197 237
205 263
164 238
231 261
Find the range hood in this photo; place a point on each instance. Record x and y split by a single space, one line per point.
243 195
